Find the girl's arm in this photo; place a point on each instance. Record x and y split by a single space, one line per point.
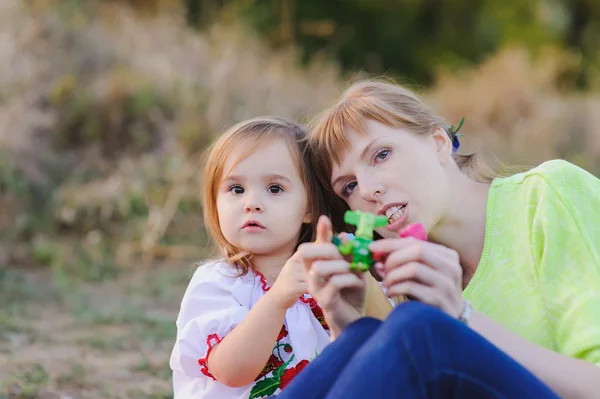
567 376
244 352
240 357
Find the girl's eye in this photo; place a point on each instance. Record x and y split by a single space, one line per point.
237 189
381 155
275 189
348 189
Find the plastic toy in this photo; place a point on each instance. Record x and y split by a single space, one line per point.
358 246
415 230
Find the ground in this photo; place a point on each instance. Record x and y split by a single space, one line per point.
63 339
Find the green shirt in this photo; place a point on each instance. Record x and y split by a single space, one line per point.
539 273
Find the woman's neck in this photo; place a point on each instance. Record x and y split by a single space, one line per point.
464 227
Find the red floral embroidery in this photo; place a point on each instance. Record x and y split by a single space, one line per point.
289 374
263 281
283 333
316 310
272 364
203 362
318 313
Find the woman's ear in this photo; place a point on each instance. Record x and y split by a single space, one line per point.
443 144
307 217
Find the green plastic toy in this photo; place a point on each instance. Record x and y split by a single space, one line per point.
358 246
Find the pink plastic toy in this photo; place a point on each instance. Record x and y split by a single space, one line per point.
415 230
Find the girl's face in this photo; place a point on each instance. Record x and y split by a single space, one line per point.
262 203
395 173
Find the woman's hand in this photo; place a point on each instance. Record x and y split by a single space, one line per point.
423 271
340 292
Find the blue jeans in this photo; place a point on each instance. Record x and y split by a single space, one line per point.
418 352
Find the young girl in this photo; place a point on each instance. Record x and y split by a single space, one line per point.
246 325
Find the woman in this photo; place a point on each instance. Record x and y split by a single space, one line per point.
506 293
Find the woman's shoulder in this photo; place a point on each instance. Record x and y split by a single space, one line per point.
559 171
558 175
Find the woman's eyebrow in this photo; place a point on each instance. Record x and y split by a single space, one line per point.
368 148
339 179
363 155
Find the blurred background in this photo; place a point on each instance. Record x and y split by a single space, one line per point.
106 106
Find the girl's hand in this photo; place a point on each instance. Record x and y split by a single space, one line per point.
291 283
340 293
421 270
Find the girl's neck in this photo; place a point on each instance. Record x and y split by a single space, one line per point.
271 264
463 229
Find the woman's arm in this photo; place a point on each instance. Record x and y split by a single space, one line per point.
430 273
378 304
568 377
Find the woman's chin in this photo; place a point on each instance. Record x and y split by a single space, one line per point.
385 233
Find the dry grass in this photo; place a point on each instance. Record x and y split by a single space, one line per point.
515 106
103 117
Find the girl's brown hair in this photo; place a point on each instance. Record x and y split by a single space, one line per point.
251 134
389 104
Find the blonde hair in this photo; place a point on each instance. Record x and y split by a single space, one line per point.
251 134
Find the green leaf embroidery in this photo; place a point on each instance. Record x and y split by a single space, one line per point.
279 372
313 358
265 387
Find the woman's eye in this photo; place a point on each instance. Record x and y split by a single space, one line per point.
349 188
237 189
275 189
381 154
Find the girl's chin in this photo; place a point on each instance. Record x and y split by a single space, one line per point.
264 251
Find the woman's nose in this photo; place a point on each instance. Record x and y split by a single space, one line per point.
370 190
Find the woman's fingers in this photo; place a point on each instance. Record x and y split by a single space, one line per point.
422 274
326 269
311 252
332 288
403 251
411 271
418 292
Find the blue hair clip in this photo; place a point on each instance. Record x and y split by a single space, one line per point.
453 130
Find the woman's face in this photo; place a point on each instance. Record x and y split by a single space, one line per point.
395 173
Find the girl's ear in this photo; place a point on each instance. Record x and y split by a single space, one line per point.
443 145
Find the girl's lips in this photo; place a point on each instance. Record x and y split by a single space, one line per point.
253 226
253 229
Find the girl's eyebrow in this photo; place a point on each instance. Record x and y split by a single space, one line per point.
277 177
269 177
233 178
